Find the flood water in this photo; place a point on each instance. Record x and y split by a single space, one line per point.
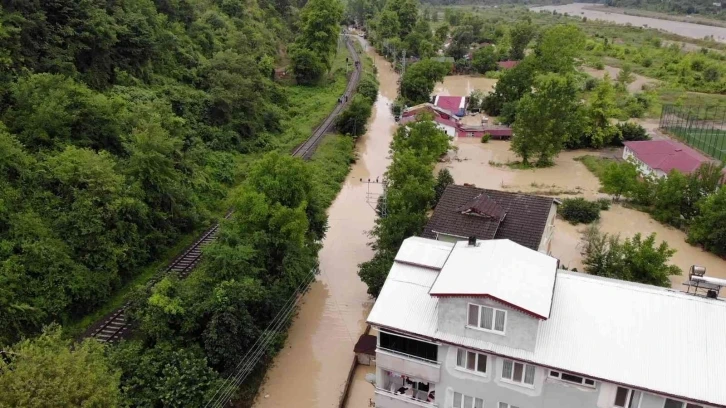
567 176
685 29
312 368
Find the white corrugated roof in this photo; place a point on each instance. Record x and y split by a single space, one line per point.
424 252
498 268
647 337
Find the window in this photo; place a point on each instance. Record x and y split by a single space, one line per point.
409 346
670 403
626 398
505 405
487 318
471 361
518 373
575 379
465 401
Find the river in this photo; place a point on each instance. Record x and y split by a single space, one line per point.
685 29
312 368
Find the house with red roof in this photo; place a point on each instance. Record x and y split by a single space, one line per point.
455 104
509 64
659 157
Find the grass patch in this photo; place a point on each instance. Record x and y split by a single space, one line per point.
331 163
595 164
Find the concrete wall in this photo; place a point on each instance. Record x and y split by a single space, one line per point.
448 129
549 231
520 329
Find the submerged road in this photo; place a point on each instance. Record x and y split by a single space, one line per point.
311 370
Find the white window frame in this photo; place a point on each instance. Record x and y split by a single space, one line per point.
494 319
557 375
506 405
524 373
463 398
684 404
477 356
628 397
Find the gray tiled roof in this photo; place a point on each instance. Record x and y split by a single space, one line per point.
524 222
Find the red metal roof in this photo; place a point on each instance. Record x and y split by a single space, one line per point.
667 155
508 64
450 103
447 122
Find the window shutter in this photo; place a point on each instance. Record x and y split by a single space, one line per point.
473 315
499 323
507 369
486 317
529 374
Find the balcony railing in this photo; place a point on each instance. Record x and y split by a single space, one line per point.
385 398
411 366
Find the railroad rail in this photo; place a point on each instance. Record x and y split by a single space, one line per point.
115 326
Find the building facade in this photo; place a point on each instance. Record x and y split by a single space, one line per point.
494 324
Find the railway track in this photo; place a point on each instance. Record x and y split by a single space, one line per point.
115 325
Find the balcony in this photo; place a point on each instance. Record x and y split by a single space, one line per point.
409 365
387 399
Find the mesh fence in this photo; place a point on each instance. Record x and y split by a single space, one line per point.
701 127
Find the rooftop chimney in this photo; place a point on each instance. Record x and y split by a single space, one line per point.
472 241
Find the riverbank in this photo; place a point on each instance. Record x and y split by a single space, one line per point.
694 19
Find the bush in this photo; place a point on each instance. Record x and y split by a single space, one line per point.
485 138
599 65
368 88
604 203
631 131
591 83
578 210
352 121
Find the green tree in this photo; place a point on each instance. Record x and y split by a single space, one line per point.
619 178
484 60
164 375
374 272
443 180
419 80
558 47
520 35
511 87
625 76
49 371
352 121
601 109
320 27
307 66
636 259
546 119
423 138
709 226
368 87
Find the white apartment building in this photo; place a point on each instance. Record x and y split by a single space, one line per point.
493 324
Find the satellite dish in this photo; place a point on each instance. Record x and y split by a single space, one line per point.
371 378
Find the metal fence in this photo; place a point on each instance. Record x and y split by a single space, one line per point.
701 127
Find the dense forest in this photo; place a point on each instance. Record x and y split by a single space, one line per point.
126 126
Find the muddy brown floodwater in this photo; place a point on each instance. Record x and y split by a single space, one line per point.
311 370
480 164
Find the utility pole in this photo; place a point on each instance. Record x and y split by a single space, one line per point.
403 69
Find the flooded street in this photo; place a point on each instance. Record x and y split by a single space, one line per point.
478 164
311 370
685 29
463 85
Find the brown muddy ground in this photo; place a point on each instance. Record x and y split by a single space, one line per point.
635 86
463 85
570 178
311 370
